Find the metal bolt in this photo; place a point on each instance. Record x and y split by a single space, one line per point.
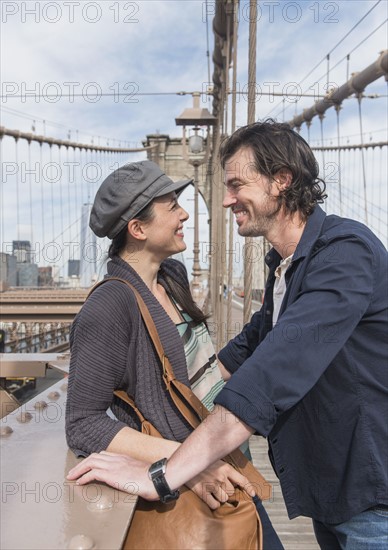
54 395
24 417
81 542
5 430
40 405
103 503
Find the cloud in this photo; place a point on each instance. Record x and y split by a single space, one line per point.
90 49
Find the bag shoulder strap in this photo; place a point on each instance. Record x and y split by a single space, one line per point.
121 394
143 310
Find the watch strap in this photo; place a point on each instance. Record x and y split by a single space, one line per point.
156 473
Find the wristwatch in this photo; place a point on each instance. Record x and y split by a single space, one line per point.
156 474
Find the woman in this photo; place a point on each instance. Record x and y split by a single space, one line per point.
137 207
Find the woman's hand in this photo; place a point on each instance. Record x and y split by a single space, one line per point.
119 471
217 482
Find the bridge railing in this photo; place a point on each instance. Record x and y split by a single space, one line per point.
40 508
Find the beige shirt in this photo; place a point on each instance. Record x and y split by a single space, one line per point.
279 288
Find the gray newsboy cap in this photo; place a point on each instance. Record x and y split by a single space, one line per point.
125 192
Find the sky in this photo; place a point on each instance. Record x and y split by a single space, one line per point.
63 64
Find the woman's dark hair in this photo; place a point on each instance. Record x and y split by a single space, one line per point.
276 146
183 297
119 242
179 293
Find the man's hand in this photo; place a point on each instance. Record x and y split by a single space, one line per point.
122 472
119 471
217 436
217 483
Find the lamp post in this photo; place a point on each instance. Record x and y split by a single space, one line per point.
195 117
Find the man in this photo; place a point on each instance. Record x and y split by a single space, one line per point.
310 369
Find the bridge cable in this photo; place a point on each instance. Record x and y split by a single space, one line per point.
331 51
207 48
308 131
373 186
362 157
41 192
34 118
52 192
54 141
69 203
338 108
229 290
17 191
76 198
321 117
30 192
383 160
347 56
248 247
225 265
355 26
347 66
81 187
60 190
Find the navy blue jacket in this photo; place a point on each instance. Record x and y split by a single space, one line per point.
316 384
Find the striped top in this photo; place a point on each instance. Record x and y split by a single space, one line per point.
204 375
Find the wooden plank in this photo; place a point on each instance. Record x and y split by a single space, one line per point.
296 534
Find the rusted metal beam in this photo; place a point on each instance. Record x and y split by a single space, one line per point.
40 306
39 296
17 134
38 313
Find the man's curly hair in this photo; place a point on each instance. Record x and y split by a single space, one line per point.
276 146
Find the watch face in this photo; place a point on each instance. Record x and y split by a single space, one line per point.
158 467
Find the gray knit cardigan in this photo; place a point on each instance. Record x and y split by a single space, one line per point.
111 350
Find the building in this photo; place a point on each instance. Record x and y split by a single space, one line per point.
88 260
22 251
73 268
45 276
8 269
27 274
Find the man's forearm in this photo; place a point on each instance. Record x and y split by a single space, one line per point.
218 435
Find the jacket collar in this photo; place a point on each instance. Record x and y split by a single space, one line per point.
310 234
312 230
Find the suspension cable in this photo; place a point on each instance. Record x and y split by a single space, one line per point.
362 158
30 192
66 143
338 108
17 190
229 293
248 247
